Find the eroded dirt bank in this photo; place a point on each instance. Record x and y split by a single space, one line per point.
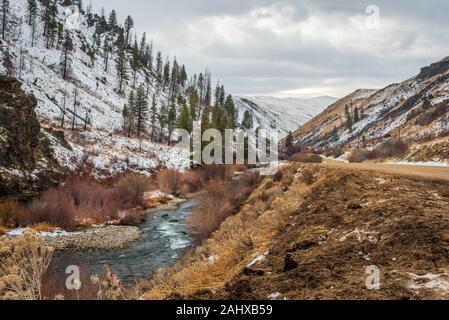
311 232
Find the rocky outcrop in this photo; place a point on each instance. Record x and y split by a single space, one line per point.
27 162
434 69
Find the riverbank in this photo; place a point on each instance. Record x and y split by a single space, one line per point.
102 237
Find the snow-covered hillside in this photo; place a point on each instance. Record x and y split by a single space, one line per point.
282 114
415 110
98 106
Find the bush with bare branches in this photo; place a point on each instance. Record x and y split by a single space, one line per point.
169 180
23 262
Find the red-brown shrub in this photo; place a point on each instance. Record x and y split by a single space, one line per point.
73 202
385 150
169 180
52 207
304 157
221 200
191 181
131 188
358 156
10 212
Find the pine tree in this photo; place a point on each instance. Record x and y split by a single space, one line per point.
356 115
174 81
231 112
217 95
122 63
129 114
50 24
201 88
159 71
106 51
205 119
349 120
32 11
222 96
135 63
150 63
153 117
171 121
247 122
112 22
183 76
218 119
5 12
208 89
162 119
142 47
129 24
141 109
289 140
194 104
66 56
75 105
8 64
166 76
184 120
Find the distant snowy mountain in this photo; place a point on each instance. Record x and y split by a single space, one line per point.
282 114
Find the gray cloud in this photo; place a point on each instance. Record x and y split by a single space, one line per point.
294 47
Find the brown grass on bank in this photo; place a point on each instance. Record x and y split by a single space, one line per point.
221 200
240 238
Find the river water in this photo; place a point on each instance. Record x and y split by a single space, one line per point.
164 240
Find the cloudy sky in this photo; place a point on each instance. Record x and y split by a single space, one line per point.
295 47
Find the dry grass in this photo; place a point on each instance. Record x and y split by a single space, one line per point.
221 200
23 262
43 227
234 245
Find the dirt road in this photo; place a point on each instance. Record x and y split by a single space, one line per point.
425 172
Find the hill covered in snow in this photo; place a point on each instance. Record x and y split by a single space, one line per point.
282 114
415 110
88 103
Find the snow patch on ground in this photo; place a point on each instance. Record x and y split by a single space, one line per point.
438 282
58 233
258 259
425 164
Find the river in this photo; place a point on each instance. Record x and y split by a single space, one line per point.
164 239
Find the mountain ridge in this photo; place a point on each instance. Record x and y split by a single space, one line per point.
415 110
